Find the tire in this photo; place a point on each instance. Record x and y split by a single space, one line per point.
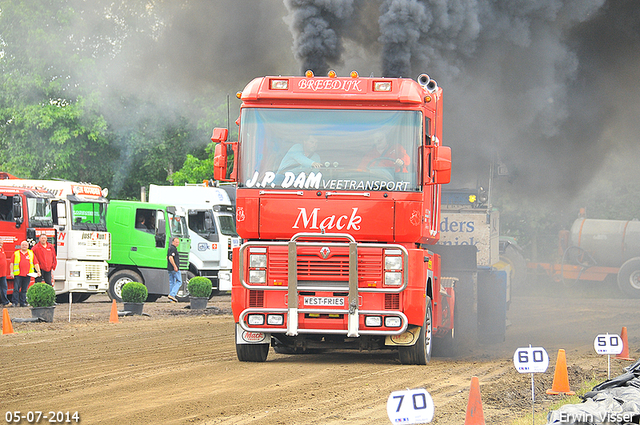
420 352
77 297
183 292
251 352
514 258
629 278
465 314
117 281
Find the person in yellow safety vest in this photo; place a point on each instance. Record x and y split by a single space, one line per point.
25 265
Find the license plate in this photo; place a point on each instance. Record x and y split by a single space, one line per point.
324 301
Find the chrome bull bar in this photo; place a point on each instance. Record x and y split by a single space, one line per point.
293 308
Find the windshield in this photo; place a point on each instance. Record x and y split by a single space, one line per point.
227 225
178 225
330 149
89 216
39 212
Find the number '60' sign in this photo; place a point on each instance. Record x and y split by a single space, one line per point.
531 360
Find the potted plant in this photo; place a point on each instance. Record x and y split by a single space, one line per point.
134 294
199 288
42 298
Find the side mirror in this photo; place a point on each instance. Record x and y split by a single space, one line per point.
442 164
61 210
219 135
161 234
224 162
220 162
161 229
17 210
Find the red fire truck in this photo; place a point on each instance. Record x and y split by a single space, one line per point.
25 214
338 200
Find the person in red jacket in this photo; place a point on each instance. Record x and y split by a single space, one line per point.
46 255
3 277
386 155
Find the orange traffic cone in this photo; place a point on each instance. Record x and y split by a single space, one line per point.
561 377
7 327
625 346
475 416
114 313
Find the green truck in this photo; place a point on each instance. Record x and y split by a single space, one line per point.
141 233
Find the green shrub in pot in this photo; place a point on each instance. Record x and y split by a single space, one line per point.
199 286
134 292
41 295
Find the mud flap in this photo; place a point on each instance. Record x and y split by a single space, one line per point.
246 337
492 305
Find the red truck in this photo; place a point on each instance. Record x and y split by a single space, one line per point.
25 214
338 204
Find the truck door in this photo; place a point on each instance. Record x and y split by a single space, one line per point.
146 250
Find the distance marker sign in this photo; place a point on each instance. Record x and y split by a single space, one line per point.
531 360
608 344
410 407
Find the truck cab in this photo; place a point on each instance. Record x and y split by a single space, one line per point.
141 233
338 202
25 214
212 229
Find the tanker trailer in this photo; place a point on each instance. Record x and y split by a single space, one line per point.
595 249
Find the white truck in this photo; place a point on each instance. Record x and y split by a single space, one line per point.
83 244
212 231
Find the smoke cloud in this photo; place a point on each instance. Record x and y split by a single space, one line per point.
545 87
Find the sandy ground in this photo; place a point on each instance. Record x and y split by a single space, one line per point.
178 366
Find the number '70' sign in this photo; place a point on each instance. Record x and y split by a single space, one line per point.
531 360
410 407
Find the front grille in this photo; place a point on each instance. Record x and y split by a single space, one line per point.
391 301
256 298
94 272
183 260
330 271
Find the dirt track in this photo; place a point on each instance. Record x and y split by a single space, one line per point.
179 367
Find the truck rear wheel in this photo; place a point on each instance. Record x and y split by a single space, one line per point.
629 278
118 280
251 352
420 352
514 258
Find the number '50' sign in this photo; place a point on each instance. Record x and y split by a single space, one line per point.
531 360
608 344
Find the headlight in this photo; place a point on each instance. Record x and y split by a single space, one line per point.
393 263
255 319
257 276
393 278
373 321
275 319
257 260
392 322
74 273
224 276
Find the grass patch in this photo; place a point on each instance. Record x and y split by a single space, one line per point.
541 417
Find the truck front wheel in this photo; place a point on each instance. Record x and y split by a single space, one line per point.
251 352
183 292
629 278
118 280
420 352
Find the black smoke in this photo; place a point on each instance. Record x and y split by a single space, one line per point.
547 87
